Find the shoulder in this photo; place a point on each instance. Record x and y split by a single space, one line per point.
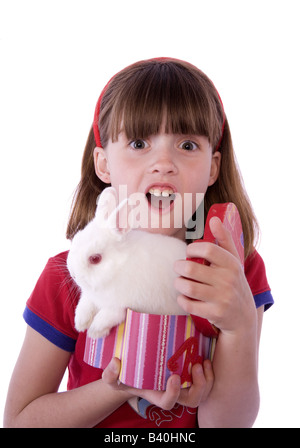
59 261
56 268
51 306
255 272
55 280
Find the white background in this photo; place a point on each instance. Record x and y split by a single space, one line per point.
56 56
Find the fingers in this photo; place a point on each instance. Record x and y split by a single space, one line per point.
193 271
202 383
203 380
196 307
215 254
195 287
164 399
209 376
170 397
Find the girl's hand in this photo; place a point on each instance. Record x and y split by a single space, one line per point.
202 377
218 292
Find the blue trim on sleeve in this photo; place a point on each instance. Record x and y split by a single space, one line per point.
264 298
52 334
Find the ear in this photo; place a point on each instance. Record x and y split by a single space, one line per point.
101 165
215 167
119 220
106 203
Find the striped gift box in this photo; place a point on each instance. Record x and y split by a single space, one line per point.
99 352
151 347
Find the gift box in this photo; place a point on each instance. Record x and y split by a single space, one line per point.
151 347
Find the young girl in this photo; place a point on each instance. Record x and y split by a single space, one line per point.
159 125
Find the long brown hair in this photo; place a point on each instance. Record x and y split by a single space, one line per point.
137 98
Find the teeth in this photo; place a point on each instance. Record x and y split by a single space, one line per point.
164 193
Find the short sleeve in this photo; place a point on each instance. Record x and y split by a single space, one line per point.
51 307
255 272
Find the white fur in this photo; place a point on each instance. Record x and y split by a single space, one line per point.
136 271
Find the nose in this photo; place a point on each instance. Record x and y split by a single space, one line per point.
163 162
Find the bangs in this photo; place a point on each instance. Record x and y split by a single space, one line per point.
153 91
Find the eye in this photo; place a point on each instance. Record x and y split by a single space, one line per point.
138 144
95 259
188 145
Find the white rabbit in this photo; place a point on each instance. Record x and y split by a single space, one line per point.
120 268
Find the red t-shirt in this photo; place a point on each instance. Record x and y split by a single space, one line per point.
50 310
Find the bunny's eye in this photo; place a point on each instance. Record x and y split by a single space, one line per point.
95 259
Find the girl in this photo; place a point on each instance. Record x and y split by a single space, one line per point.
159 125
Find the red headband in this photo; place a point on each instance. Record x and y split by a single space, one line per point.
98 106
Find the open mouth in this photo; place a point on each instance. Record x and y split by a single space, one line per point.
161 198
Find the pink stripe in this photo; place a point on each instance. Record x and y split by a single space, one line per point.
125 350
108 348
157 352
180 332
161 352
125 347
93 349
151 347
86 356
141 351
132 341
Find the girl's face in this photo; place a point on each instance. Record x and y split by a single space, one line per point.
157 167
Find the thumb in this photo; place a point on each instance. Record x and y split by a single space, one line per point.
111 373
222 235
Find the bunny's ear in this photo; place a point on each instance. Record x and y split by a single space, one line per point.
120 219
106 203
